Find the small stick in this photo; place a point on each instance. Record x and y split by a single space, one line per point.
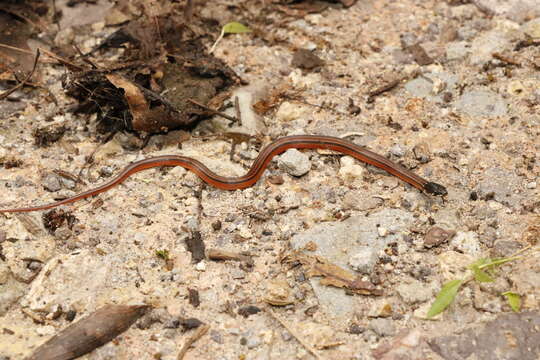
323 107
296 335
382 89
222 255
69 176
505 59
5 94
215 112
24 51
201 330
61 59
237 108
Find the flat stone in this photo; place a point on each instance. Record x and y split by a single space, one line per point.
483 47
467 243
415 292
337 240
457 50
515 10
490 187
10 291
508 337
60 283
364 260
532 28
294 162
482 103
383 327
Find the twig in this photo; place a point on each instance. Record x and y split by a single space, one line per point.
5 94
295 334
16 49
383 88
217 41
84 58
237 108
505 59
215 112
222 255
201 330
323 107
46 52
60 59
188 11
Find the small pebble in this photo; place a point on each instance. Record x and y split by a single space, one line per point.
52 183
294 162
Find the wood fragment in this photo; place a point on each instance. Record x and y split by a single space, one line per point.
222 255
505 59
237 109
296 335
383 88
89 333
191 340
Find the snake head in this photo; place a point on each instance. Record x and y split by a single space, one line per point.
435 189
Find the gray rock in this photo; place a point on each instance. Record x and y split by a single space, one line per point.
397 150
482 103
515 10
532 28
415 292
457 50
508 337
431 85
357 200
466 243
383 327
483 46
252 342
294 162
353 234
419 87
52 183
503 248
10 289
216 336
364 260
497 184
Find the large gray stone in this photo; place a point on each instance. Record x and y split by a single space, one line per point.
508 337
482 103
338 241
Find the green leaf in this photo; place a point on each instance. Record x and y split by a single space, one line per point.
479 274
514 300
235 28
164 254
491 263
444 298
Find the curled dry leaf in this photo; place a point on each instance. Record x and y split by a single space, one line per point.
146 118
278 293
333 275
89 333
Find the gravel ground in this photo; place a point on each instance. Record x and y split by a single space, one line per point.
464 111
